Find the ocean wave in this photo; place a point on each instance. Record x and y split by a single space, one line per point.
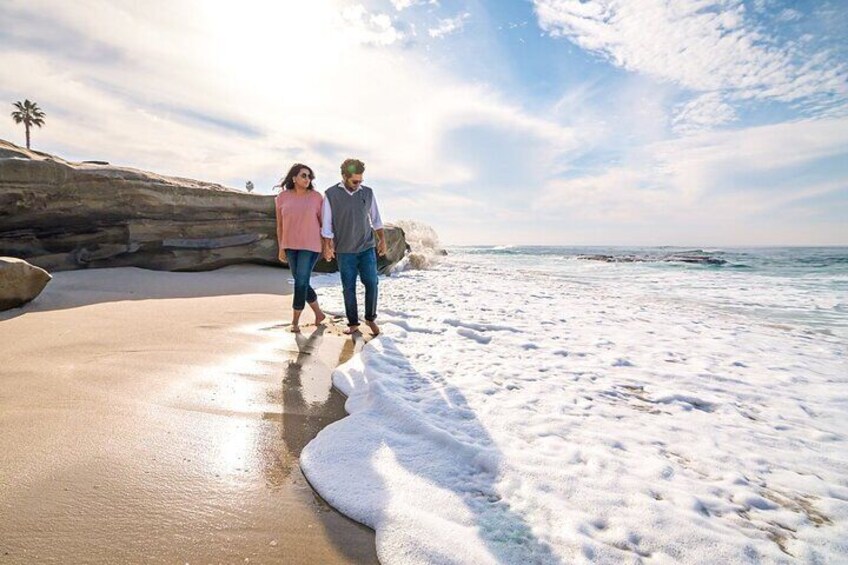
496 250
425 250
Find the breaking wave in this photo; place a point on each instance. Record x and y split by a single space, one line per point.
425 250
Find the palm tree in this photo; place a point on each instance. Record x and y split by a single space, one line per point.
29 114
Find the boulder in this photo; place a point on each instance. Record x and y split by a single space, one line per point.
20 282
62 215
396 248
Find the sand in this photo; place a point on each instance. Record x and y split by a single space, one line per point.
158 417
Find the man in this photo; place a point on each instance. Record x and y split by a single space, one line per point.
350 219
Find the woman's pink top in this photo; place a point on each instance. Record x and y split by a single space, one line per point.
299 220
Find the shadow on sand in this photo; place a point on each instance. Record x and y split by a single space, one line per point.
71 289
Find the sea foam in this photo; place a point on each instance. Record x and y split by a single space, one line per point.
424 247
513 412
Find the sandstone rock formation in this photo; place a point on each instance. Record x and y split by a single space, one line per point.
62 215
20 282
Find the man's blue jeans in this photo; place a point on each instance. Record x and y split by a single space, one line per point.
363 263
301 262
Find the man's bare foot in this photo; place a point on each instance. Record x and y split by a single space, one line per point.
295 328
320 318
375 329
350 330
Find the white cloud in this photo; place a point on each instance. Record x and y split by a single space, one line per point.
789 15
371 29
227 93
703 112
404 4
761 5
706 46
706 183
238 92
448 26
753 149
618 194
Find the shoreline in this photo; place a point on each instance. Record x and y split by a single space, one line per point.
160 416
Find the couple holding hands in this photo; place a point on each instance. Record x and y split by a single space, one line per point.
343 224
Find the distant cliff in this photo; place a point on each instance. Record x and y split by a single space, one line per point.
61 215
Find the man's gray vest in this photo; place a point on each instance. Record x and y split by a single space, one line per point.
351 218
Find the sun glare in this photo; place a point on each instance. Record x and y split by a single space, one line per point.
273 46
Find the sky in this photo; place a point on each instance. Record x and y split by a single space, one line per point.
543 122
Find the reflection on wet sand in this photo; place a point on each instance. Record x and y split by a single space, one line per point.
309 403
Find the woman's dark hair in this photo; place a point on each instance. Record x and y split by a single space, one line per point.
288 181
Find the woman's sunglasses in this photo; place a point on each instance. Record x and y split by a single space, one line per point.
306 176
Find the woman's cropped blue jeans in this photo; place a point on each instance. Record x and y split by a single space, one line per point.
301 262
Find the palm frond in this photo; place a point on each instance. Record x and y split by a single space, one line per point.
29 112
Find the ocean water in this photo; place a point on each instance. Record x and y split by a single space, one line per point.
599 405
806 287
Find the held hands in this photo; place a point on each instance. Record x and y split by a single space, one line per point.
329 252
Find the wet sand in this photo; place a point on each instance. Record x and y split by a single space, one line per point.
159 417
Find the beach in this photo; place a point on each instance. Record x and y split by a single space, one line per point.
599 250
159 417
538 405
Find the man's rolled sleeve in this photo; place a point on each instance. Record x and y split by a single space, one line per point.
327 220
376 221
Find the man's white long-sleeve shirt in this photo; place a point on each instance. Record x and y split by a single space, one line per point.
327 213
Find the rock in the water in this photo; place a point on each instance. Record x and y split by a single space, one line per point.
396 248
694 258
20 282
61 215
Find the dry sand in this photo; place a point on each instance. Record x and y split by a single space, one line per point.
158 417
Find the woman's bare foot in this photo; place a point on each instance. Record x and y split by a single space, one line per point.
295 328
350 330
375 329
319 314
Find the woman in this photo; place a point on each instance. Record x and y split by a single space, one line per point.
299 236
